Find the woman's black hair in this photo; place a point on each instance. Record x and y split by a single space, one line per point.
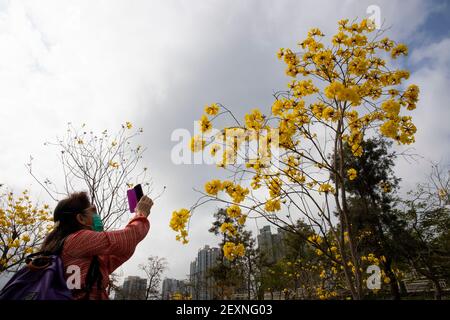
65 218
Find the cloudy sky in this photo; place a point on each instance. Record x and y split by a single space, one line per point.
157 63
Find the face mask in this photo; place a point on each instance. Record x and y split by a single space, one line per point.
97 223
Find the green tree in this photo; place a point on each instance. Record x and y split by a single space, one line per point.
243 273
372 199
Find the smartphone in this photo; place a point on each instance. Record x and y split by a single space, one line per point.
134 195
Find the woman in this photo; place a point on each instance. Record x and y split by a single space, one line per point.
94 253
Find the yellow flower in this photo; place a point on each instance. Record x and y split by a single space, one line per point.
25 238
272 205
303 88
277 108
212 110
242 219
228 186
205 124
228 228
352 174
231 251
411 96
326 187
129 125
334 89
113 164
213 187
391 107
197 144
398 50
254 120
240 250
315 239
214 149
323 58
234 211
357 150
15 244
256 182
315 32
178 223
389 129
329 113
238 193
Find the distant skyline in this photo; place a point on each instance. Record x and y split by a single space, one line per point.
157 63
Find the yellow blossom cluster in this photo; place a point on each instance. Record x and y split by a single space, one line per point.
272 205
355 75
316 239
352 174
235 191
326 187
324 294
212 109
197 143
178 223
232 251
22 226
254 120
235 212
228 229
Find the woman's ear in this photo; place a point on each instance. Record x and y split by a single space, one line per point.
81 218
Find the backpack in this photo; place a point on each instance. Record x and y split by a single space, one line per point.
43 278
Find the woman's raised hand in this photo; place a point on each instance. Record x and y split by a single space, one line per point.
144 205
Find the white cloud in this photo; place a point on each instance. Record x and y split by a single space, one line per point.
432 75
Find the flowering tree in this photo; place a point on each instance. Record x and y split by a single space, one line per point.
104 164
23 227
341 93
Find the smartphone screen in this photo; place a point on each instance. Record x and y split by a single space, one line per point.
139 192
134 195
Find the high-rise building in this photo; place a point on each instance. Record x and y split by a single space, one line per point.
173 286
272 244
201 282
133 288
